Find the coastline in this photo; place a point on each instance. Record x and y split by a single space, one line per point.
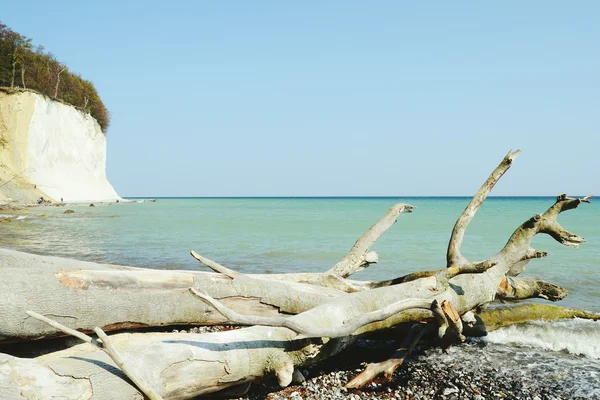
15 205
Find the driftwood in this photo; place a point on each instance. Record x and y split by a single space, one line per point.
84 295
184 365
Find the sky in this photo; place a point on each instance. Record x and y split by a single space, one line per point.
335 98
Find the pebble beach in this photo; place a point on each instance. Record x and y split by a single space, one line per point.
463 373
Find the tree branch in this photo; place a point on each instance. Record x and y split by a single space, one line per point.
356 260
453 255
66 330
218 268
108 348
388 367
346 329
359 257
512 288
518 248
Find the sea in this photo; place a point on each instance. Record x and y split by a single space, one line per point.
275 235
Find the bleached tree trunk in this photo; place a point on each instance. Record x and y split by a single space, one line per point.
84 295
182 366
186 365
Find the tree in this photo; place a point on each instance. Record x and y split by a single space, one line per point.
42 72
21 45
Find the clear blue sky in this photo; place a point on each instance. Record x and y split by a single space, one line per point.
256 98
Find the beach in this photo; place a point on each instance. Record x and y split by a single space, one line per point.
476 370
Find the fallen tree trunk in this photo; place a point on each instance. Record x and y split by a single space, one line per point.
84 295
489 319
179 366
194 364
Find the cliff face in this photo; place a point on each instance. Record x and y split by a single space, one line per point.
52 148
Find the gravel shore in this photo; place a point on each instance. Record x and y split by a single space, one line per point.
418 379
427 374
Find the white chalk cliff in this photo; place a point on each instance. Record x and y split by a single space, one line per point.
52 148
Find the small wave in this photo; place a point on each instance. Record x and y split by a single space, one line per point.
21 217
277 254
576 336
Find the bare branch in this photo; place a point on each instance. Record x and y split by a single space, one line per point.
454 256
512 288
517 252
439 318
356 260
403 279
215 266
127 370
311 278
446 317
455 327
519 266
359 257
470 268
563 236
443 275
518 248
388 367
64 329
533 253
346 329
108 348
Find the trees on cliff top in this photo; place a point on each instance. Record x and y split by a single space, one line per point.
25 66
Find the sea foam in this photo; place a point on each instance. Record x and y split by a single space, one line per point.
575 336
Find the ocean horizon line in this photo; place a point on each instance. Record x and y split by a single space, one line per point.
332 197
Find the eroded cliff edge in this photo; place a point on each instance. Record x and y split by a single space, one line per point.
50 149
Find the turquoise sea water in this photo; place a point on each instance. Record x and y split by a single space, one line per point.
311 234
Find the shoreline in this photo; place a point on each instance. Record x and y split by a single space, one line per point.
427 374
16 206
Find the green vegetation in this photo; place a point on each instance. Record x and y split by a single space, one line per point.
23 66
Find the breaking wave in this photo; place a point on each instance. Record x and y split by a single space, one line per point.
575 336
